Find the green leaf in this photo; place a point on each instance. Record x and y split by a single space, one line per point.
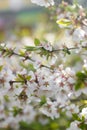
76 117
67 51
21 52
44 52
16 111
64 22
31 67
36 42
28 77
6 97
43 100
82 76
31 48
21 77
83 126
24 125
28 67
1 67
79 84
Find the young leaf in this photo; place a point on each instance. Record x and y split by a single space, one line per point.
64 22
1 67
6 98
76 117
82 76
31 67
16 111
67 51
43 100
31 48
79 84
28 77
21 77
36 42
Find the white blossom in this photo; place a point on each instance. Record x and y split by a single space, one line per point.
45 3
74 126
78 35
84 113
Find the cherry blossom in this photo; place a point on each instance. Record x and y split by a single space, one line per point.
45 3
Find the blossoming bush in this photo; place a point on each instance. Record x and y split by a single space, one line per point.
43 85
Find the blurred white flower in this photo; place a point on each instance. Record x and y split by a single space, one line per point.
85 64
45 3
72 109
74 126
50 110
78 35
84 113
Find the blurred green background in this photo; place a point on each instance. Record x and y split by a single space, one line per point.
20 18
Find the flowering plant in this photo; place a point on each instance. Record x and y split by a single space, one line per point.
38 83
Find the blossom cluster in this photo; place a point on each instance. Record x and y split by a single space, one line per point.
33 83
44 89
